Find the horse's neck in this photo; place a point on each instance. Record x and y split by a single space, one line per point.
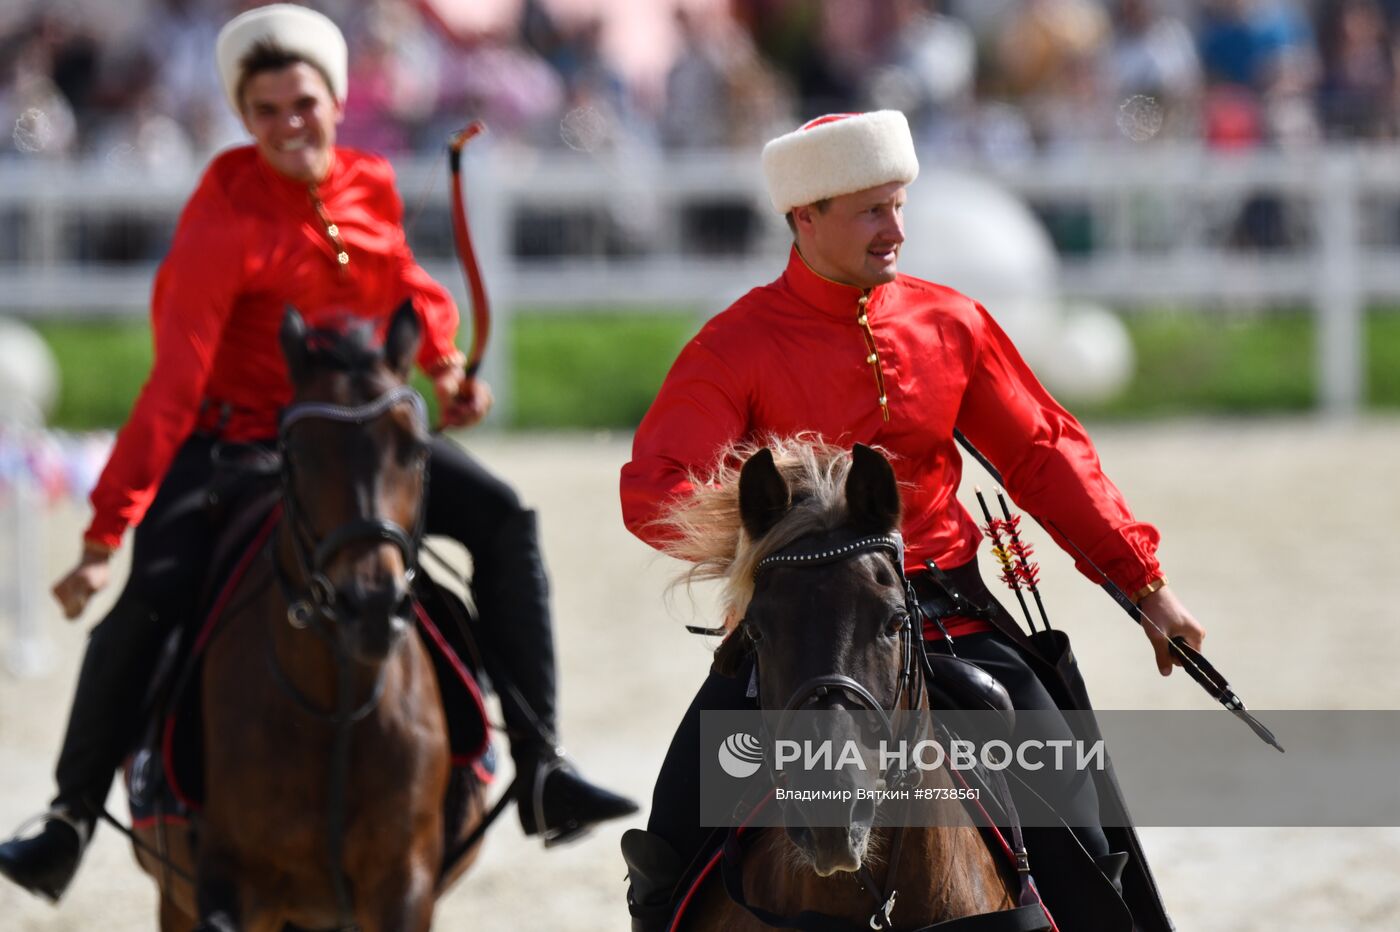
946 869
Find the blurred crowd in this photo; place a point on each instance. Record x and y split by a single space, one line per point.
984 78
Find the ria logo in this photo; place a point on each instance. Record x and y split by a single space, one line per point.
740 755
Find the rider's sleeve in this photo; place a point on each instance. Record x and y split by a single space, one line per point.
1048 463
700 408
432 301
193 295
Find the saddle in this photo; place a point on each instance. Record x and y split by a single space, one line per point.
164 774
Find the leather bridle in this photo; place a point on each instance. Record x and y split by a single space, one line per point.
912 684
315 605
314 554
911 678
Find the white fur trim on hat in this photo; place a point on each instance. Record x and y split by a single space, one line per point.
295 28
838 154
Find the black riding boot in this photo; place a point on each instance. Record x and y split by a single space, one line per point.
654 869
512 597
104 723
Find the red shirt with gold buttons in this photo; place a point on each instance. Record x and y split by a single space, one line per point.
250 242
796 356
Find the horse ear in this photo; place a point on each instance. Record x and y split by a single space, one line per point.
401 340
763 495
872 493
293 339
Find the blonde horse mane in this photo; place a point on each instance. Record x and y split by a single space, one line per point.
706 530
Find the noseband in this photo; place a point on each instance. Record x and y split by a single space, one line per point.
313 554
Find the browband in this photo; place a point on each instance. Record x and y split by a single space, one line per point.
815 553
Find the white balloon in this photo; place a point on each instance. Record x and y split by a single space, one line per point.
28 375
1094 358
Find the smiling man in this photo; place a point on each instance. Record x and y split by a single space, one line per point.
843 346
292 219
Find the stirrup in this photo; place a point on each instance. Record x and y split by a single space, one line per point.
570 829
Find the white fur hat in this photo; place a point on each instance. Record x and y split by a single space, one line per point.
837 154
295 28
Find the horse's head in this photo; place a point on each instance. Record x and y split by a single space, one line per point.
354 446
829 620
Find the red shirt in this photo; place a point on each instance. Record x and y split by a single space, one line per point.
249 242
791 357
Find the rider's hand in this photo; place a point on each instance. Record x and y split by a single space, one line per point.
462 401
1164 608
90 576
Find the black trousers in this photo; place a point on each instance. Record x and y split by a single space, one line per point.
172 548
675 810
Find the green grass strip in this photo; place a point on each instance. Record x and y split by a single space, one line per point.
599 369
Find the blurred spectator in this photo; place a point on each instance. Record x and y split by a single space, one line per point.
929 66
1048 55
394 74
815 44
719 92
493 76
1051 74
1243 41
179 36
1154 72
36 113
1356 93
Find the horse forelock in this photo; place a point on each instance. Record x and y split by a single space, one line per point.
350 346
706 529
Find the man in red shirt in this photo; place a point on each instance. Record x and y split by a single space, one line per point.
844 346
290 220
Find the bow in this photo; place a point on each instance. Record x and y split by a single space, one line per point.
1195 665
481 308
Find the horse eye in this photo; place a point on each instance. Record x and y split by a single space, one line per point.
896 623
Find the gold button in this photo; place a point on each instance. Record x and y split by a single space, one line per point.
863 320
863 299
333 230
884 401
343 258
871 358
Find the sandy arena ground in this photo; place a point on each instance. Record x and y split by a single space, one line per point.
1280 537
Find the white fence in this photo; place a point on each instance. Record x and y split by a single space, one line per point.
1165 227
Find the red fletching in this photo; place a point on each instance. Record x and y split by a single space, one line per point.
1029 574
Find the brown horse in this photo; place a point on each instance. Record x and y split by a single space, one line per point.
816 578
326 761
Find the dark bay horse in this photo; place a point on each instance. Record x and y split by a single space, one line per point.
804 537
326 752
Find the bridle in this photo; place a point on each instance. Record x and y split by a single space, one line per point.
313 555
915 675
911 679
314 605
912 685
